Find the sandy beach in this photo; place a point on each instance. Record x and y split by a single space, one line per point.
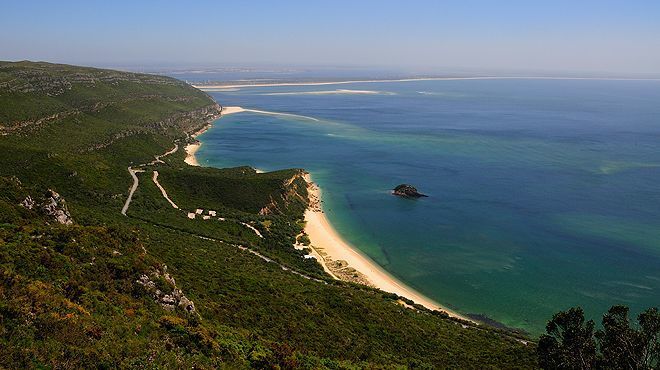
231 110
343 261
192 148
323 83
339 259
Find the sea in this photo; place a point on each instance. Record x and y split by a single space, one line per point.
543 194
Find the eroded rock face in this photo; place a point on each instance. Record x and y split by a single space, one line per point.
28 202
407 191
55 206
52 205
169 297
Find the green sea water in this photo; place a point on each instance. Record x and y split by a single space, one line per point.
543 194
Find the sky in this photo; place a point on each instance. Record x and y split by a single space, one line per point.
604 36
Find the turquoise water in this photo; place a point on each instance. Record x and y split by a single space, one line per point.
543 194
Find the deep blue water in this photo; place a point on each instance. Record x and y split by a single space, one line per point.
544 194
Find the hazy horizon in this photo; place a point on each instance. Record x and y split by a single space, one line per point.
617 38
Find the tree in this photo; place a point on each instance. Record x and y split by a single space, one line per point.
649 323
620 345
569 342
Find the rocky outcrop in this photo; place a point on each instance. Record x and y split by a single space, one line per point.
52 205
162 288
407 191
55 207
28 203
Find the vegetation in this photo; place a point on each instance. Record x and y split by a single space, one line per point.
157 289
573 343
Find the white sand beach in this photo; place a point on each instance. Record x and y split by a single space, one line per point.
231 110
191 149
234 86
329 246
335 254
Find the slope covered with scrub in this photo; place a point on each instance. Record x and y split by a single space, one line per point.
84 286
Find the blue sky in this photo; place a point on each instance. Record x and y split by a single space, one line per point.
579 35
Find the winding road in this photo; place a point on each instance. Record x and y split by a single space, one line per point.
162 190
133 171
137 169
136 182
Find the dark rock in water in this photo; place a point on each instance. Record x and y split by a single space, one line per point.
408 191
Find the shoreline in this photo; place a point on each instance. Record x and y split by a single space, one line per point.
344 262
231 85
364 266
192 148
337 257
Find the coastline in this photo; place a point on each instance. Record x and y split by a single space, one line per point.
192 148
323 83
344 262
337 257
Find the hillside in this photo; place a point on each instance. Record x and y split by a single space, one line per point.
195 273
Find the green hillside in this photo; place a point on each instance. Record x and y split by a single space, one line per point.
84 286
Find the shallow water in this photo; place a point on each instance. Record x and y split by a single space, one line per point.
544 194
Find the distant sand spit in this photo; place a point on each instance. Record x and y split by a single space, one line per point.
192 148
235 86
227 87
232 110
